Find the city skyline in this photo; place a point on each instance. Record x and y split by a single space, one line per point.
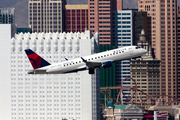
21 9
40 97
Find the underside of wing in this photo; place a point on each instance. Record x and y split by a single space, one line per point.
93 64
80 69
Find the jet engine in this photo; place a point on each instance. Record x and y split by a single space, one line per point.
106 64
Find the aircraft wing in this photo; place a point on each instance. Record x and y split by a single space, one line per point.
92 64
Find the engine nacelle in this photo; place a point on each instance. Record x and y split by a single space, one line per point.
106 64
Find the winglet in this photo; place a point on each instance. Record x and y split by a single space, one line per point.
83 59
66 59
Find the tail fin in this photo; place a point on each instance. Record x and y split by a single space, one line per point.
36 60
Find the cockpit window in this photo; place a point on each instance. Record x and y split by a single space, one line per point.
137 47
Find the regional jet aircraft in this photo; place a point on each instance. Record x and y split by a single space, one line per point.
91 62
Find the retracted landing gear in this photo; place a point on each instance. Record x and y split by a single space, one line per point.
91 71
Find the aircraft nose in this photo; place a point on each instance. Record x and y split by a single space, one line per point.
145 51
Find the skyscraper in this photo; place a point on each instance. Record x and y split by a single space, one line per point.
7 16
122 28
46 15
163 34
53 97
141 21
100 18
76 18
145 73
122 36
107 77
5 83
178 42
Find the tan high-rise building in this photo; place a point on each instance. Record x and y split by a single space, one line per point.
178 42
145 74
163 34
101 18
46 15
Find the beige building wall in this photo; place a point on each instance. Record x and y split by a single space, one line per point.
46 15
145 73
163 20
146 79
100 18
178 42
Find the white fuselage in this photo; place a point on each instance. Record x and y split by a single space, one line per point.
78 64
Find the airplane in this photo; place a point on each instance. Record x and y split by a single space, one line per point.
91 62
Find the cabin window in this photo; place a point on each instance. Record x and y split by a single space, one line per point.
95 57
64 65
110 54
79 61
113 53
101 56
76 62
104 55
91 58
119 51
98 57
107 54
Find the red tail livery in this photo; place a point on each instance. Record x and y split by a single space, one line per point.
36 60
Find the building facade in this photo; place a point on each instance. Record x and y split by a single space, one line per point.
163 34
46 15
123 36
76 18
23 30
141 21
178 49
122 112
107 78
100 18
122 28
7 16
5 82
53 97
145 72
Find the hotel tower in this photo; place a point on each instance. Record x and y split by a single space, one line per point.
46 15
100 18
163 29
